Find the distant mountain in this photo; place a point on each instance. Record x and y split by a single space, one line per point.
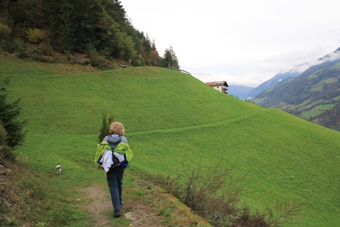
291 74
271 82
240 92
313 95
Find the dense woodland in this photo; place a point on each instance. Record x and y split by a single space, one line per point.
98 28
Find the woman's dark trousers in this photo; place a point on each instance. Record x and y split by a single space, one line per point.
115 181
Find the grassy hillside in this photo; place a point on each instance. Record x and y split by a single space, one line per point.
170 116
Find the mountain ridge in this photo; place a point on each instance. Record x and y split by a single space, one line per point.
239 91
314 94
270 83
292 73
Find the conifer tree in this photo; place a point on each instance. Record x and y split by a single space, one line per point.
104 131
170 58
9 113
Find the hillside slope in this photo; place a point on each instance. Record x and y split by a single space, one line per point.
171 117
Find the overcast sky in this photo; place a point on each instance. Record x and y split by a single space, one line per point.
244 42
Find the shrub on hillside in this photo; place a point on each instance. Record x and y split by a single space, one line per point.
3 44
34 35
286 214
207 192
5 32
96 59
7 153
19 45
3 135
46 49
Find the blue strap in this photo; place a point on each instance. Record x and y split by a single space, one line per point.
116 144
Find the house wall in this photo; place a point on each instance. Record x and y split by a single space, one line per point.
219 88
222 89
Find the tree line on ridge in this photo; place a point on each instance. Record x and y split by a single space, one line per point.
95 27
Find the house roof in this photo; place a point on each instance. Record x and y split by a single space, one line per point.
217 83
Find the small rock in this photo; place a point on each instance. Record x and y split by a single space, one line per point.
129 215
7 172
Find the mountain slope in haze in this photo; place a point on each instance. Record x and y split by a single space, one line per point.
271 82
313 95
240 92
291 74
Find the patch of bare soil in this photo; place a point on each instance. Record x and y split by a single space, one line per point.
98 205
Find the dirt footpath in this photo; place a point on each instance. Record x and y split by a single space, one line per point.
99 206
144 205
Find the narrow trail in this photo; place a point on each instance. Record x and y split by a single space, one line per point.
100 209
98 205
218 123
144 206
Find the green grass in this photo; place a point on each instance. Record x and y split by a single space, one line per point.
337 66
336 98
321 84
171 117
317 110
325 107
311 113
258 100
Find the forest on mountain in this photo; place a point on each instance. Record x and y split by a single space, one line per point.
100 29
